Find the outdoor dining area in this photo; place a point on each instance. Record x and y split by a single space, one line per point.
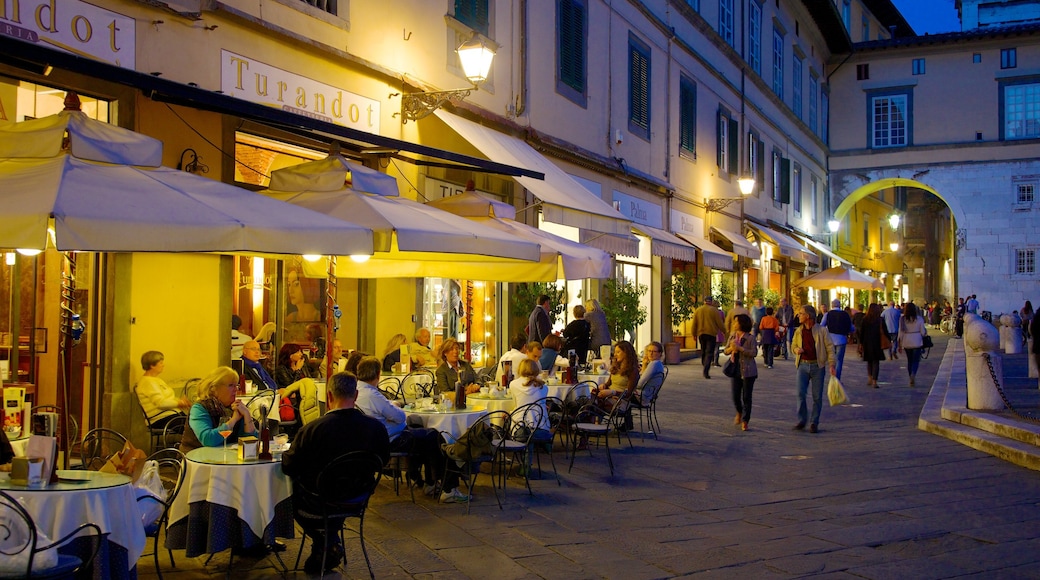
100 502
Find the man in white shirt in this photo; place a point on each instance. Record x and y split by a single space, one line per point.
425 444
514 356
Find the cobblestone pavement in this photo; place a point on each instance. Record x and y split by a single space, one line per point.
869 496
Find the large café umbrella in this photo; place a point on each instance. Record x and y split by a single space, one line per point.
841 277
412 239
562 258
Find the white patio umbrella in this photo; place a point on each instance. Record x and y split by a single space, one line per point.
105 191
566 259
841 277
411 239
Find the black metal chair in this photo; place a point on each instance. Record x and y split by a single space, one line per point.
390 387
522 438
191 389
418 384
20 544
475 447
173 432
156 431
646 405
342 491
592 422
98 446
171 472
576 398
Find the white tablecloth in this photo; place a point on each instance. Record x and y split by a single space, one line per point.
560 391
252 488
453 422
475 402
107 500
600 379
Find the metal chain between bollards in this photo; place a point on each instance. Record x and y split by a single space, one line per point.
1007 403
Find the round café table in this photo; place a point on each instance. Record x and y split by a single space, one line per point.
79 496
228 503
454 422
490 403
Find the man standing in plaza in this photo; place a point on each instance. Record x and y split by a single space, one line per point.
539 325
706 325
838 324
890 317
813 351
342 430
785 314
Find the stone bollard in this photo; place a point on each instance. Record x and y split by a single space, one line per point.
1001 332
1013 341
980 337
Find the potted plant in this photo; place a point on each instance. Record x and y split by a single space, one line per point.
621 306
683 288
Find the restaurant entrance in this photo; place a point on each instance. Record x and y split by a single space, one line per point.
463 309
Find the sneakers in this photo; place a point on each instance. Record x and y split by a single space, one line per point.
454 496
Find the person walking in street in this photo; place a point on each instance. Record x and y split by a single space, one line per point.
890 317
598 326
1027 319
869 334
813 352
706 324
539 325
742 349
958 325
738 308
758 311
839 324
912 331
788 321
769 333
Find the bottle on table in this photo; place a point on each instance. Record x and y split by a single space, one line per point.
265 437
507 373
460 395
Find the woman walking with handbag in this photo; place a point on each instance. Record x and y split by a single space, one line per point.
742 349
869 333
912 331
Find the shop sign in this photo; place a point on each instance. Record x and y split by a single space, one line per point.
638 210
251 80
437 189
684 223
71 26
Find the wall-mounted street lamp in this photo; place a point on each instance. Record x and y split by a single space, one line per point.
476 57
833 225
746 184
893 221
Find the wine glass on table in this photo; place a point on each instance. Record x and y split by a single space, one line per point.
225 433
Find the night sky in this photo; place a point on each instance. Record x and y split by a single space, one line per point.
929 16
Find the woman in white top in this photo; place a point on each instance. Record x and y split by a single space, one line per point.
527 388
158 400
652 367
912 331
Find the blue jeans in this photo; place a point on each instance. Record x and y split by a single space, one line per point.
913 360
839 354
815 373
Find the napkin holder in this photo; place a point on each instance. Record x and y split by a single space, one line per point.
27 471
248 448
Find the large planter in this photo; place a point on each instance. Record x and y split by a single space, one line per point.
671 353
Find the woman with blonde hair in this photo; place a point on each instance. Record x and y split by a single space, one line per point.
597 320
217 410
528 388
392 352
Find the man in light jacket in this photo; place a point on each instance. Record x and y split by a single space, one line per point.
813 351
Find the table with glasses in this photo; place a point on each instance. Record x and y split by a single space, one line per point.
105 499
454 422
228 503
599 379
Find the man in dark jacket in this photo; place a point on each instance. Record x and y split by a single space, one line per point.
342 430
839 324
538 324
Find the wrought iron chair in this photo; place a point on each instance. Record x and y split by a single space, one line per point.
576 397
98 446
646 405
342 491
475 447
20 543
171 472
390 387
592 422
156 431
191 389
173 432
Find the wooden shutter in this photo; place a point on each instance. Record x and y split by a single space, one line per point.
571 44
760 170
785 180
734 147
473 13
687 115
638 89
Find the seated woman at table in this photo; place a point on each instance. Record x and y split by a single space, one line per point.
292 368
454 369
392 352
528 388
550 357
157 399
217 410
652 367
624 376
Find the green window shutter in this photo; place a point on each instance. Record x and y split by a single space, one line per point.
571 47
473 13
734 147
687 115
760 170
720 138
785 180
639 89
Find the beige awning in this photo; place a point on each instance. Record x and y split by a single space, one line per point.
825 251
741 246
713 256
788 246
619 245
564 200
667 245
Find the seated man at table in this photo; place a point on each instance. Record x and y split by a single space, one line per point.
425 444
420 349
336 354
342 430
252 368
517 352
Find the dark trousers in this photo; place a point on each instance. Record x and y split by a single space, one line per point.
742 389
425 445
873 368
767 354
709 348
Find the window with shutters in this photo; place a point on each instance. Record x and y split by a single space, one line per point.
814 89
687 117
796 189
796 85
727 143
814 198
755 167
846 15
571 47
825 115
726 21
638 87
778 63
473 13
754 32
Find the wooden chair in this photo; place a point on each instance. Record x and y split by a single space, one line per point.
21 544
342 491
